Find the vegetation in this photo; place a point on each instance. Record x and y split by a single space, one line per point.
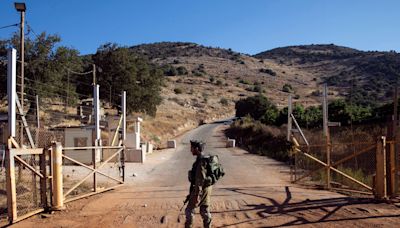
224 101
260 139
268 71
287 88
178 90
50 66
121 70
262 109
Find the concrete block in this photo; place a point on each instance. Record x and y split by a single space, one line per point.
149 148
171 144
230 143
134 155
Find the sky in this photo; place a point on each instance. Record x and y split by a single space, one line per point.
247 26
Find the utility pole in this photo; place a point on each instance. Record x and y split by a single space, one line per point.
94 73
20 7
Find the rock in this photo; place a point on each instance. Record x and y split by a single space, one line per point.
134 175
144 205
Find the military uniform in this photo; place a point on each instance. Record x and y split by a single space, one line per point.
200 193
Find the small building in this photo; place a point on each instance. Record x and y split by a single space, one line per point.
80 136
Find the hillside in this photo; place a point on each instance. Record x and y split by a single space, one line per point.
364 77
214 78
203 83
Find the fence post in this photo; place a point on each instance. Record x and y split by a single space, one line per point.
10 181
289 125
43 181
11 90
380 190
123 135
96 152
327 136
392 170
58 195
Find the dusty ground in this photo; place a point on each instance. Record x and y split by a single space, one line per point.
254 193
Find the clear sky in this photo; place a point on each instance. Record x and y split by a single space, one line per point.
248 26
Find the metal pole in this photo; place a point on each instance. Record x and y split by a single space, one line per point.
123 109
123 135
395 162
326 133
289 127
96 152
37 112
57 186
22 55
94 74
11 90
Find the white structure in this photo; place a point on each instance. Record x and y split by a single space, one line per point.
81 137
133 139
230 143
171 144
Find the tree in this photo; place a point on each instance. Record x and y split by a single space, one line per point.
258 107
122 70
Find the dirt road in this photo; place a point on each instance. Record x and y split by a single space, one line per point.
254 193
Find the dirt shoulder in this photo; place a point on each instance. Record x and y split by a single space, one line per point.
255 192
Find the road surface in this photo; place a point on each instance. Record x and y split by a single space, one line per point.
254 193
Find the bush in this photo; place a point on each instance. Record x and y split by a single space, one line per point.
178 91
224 101
212 79
287 88
244 82
267 71
181 70
219 83
260 139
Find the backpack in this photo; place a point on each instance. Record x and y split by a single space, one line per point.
215 171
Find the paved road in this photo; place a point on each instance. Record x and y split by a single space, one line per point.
254 193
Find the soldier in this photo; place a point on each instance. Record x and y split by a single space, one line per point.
200 188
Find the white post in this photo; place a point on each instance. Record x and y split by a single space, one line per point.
123 109
11 90
289 126
96 102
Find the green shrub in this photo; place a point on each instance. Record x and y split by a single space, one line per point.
224 101
212 78
178 90
181 70
287 88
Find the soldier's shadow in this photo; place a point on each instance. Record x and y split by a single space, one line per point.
296 209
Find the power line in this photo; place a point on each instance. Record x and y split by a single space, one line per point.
8 26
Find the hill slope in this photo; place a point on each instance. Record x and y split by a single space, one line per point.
365 77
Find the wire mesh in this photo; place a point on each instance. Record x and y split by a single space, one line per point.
27 185
3 195
352 151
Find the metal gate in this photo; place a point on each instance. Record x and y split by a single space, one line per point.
80 180
27 181
345 167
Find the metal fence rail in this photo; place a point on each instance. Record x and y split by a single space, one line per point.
82 178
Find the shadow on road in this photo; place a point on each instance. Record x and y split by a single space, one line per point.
297 210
